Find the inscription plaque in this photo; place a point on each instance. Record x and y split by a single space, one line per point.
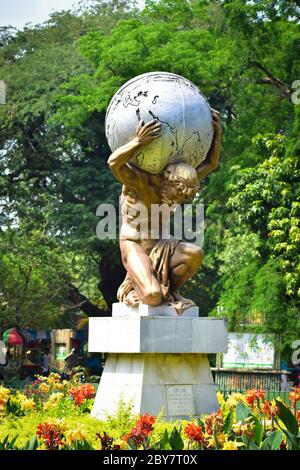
180 400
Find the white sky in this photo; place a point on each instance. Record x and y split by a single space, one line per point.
19 12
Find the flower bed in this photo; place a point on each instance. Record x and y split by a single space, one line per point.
54 414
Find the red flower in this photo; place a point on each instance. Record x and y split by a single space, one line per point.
283 445
194 432
51 435
142 429
107 442
82 393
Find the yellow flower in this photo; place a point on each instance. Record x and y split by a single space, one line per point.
62 424
21 397
232 445
28 404
221 398
123 444
4 395
47 406
77 434
55 397
234 398
41 447
53 378
53 400
58 386
222 439
54 375
237 428
44 388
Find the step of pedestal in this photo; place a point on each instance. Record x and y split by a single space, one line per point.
120 309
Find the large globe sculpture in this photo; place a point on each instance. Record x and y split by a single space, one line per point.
184 114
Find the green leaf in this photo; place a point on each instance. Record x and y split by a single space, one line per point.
32 444
294 441
253 445
164 442
131 444
175 440
216 439
288 419
272 442
201 424
242 412
228 422
258 430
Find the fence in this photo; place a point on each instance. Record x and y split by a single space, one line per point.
230 381
247 379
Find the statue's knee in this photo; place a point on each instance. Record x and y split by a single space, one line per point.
196 256
152 297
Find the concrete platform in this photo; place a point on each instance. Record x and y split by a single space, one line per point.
123 310
156 362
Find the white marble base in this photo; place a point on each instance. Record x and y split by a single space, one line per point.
157 361
179 384
157 335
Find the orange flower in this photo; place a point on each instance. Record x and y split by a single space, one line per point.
214 421
269 409
194 432
82 393
252 395
294 396
145 423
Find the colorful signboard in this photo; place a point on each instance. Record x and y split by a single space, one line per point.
249 351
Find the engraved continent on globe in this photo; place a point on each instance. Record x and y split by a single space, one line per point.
184 114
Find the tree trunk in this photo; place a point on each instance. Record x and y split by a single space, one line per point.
82 302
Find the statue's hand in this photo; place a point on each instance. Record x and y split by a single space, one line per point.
214 153
216 124
146 133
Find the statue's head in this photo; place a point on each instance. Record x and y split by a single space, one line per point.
180 183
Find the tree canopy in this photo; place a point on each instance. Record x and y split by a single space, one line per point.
60 77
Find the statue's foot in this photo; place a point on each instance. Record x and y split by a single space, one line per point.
179 302
132 299
182 299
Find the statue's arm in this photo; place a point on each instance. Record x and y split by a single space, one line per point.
212 159
119 160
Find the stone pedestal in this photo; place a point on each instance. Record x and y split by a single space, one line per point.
157 360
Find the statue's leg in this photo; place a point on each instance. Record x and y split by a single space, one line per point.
184 263
140 272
